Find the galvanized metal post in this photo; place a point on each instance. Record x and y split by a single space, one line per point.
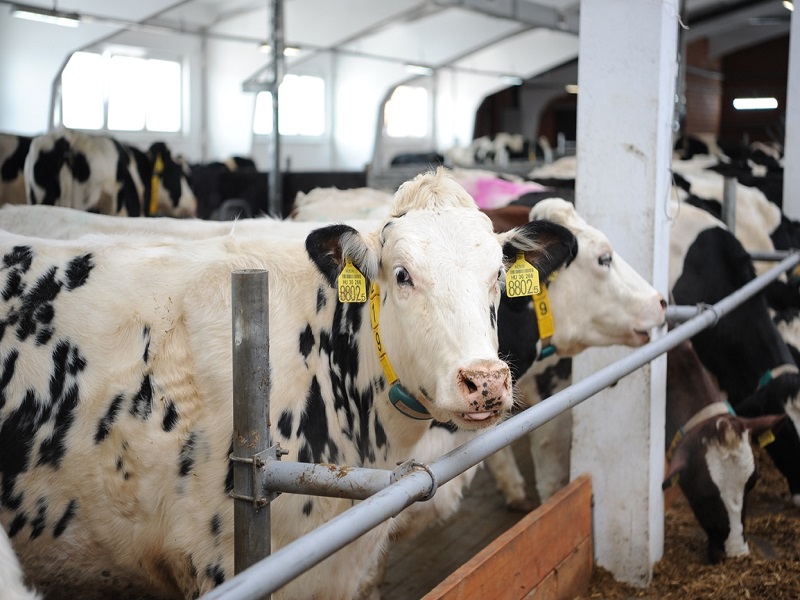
251 387
729 203
276 43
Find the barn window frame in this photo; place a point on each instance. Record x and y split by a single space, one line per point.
107 74
290 99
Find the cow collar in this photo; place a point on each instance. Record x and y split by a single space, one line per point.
712 410
775 373
400 398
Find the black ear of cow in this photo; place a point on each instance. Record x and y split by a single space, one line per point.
326 248
547 246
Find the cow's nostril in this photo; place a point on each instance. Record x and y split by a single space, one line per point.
471 387
663 304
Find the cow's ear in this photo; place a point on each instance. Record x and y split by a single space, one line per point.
760 425
547 246
678 462
330 246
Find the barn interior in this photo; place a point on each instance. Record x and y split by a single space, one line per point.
374 81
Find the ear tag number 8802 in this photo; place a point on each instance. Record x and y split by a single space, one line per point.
522 278
351 284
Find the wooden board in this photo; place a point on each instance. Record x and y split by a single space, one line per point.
547 554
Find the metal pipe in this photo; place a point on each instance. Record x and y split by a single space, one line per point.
293 559
325 480
251 386
776 255
276 43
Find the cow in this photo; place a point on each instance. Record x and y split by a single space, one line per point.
708 452
98 173
116 381
13 150
744 350
330 204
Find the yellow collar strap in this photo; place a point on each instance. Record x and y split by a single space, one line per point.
398 395
544 319
155 183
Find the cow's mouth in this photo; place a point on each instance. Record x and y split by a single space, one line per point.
479 416
641 336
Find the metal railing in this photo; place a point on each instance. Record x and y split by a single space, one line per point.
387 493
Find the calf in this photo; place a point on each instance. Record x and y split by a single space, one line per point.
708 452
116 381
13 150
97 173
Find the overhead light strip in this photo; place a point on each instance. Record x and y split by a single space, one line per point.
45 15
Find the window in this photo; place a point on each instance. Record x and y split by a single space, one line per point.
406 113
301 107
143 94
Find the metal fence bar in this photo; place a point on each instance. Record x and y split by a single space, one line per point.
250 345
293 559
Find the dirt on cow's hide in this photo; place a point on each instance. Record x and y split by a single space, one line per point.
770 572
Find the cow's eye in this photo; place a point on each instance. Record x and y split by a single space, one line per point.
605 260
402 277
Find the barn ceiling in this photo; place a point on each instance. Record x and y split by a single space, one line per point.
492 36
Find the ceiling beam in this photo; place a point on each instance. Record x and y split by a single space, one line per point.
522 11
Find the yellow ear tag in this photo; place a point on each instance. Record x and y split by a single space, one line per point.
766 438
155 181
522 278
351 284
544 316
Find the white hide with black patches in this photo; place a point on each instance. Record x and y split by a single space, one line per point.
731 464
624 307
144 382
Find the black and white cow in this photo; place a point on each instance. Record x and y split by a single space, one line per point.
115 386
13 150
98 173
744 350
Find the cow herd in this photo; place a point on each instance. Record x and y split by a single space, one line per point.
115 354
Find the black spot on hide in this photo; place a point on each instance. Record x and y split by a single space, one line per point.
186 458
306 341
146 336
66 518
170 419
104 426
322 299
78 271
493 316
20 520
9 364
142 405
216 525
216 574
40 520
285 424
547 381
317 446
80 167
307 507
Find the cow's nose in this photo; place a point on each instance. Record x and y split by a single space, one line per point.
485 385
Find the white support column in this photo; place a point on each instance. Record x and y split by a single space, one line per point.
626 79
791 177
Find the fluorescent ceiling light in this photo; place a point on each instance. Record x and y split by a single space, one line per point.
571 88
419 70
511 79
755 103
788 4
45 15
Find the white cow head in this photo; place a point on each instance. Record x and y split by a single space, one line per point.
441 270
598 300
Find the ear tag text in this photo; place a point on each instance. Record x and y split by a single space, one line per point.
351 284
544 316
522 278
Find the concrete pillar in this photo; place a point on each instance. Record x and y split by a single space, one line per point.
791 177
626 79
